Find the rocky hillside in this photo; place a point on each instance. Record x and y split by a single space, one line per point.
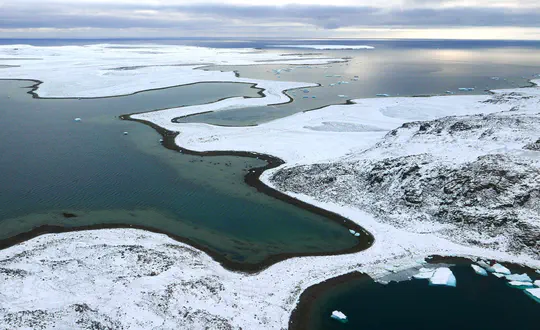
472 179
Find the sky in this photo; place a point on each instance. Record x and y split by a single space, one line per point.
431 19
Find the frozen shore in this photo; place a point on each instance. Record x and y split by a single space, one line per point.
135 279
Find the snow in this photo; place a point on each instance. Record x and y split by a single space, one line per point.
443 276
479 270
337 315
99 272
326 47
108 69
534 293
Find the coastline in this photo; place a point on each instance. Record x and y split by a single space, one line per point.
297 274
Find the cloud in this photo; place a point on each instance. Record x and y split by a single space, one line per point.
208 17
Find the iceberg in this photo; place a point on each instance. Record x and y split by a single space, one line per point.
125 133
77 119
357 234
537 283
382 95
466 89
520 285
424 274
352 232
337 315
520 278
498 275
498 268
479 270
534 293
443 276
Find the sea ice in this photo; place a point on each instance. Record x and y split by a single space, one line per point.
337 315
521 278
520 285
537 283
498 268
327 47
479 270
443 276
424 274
466 89
498 275
534 293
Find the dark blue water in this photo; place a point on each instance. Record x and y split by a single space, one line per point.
477 303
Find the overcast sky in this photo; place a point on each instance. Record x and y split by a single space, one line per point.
477 19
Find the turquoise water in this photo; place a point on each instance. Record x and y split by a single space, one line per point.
51 164
476 303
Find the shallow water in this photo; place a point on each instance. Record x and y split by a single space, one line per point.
476 303
393 71
51 164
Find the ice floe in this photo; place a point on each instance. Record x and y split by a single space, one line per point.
479 270
534 293
500 269
520 285
518 277
424 274
337 315
443 276
326 47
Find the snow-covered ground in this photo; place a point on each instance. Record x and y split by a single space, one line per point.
135 279
108 70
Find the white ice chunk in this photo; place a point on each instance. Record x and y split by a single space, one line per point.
352 231
534 293
498 275
466 89
125 133
498 268
357 234
443 276
520 285
479 270
537 283
77 119
520 278
337 315
424 274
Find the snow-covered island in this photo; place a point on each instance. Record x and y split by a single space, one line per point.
449 176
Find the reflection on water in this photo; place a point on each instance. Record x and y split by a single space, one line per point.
52 164
393 71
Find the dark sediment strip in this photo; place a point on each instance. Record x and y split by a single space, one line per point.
251 178
301 314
